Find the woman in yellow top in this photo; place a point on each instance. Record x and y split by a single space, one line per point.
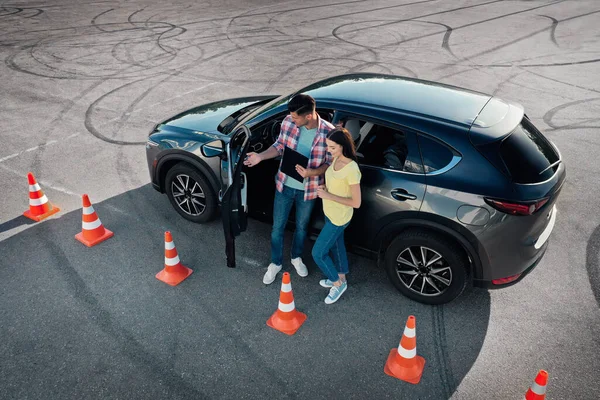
341 195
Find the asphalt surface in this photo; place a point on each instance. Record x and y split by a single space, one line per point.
82 84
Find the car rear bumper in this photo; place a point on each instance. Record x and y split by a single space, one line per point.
490 285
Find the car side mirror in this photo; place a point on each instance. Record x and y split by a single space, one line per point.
214 148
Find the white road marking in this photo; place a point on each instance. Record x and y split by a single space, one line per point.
49 143
44 183
155 104
251 262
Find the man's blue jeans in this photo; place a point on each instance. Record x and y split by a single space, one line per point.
331 241
281 212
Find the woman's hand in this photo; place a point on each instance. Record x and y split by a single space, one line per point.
322 192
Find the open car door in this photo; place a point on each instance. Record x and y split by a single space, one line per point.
234 208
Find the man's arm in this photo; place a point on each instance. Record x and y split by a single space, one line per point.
318 171
308 172
255 158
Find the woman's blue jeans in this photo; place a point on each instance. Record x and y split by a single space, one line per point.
329 251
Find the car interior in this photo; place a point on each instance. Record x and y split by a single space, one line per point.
377 145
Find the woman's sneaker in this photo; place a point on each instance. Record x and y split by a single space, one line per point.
335 293
326 283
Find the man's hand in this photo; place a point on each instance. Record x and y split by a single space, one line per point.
322 192
252 159
304 172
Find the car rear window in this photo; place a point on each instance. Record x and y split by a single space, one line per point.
528 155
435 155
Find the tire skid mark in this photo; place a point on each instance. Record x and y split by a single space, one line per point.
553 29
53 124
549 115
455 28
362 12
441 347
121 337
593 263
88 117
504 82
424 16
167 27
446 39
529 36
93 22
271 12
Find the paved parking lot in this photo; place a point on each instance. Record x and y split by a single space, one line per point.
84 82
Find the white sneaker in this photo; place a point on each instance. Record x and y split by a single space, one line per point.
300 267
271 273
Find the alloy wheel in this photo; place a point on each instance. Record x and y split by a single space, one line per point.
188 195
423 270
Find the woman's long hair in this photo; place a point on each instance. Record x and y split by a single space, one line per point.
342 137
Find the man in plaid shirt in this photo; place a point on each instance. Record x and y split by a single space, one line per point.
305 132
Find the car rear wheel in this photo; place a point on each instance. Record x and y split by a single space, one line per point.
190 194
426 267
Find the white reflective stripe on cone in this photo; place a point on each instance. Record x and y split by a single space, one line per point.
169 245
38 202
172 261
409 332
286 287
91 225
34 188
407 353
88 210
287 307
537 389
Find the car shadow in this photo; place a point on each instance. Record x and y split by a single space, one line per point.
80 321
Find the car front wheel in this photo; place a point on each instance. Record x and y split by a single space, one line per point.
190 194
426 267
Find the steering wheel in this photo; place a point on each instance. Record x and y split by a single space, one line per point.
275 129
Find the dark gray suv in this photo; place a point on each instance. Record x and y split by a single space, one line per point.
458 186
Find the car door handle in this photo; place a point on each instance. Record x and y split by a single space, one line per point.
402 195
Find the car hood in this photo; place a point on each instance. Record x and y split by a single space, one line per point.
206 118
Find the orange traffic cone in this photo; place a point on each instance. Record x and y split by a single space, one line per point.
537 391
39 206
92 230
404 363
286 319
174 273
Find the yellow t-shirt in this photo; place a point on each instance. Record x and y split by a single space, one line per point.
338 183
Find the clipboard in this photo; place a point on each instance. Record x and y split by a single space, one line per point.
290 159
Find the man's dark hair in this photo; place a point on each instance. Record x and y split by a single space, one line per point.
301 104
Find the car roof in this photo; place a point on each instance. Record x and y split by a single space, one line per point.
401 94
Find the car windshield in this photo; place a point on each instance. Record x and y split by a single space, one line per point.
260 110
226 126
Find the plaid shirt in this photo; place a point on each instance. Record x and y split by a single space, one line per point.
288 136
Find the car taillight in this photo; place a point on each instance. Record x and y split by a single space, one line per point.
517 208
504 281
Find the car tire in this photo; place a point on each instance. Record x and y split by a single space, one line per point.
190 193
448 274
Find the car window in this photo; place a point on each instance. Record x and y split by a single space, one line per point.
389 148
528 156
435 154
